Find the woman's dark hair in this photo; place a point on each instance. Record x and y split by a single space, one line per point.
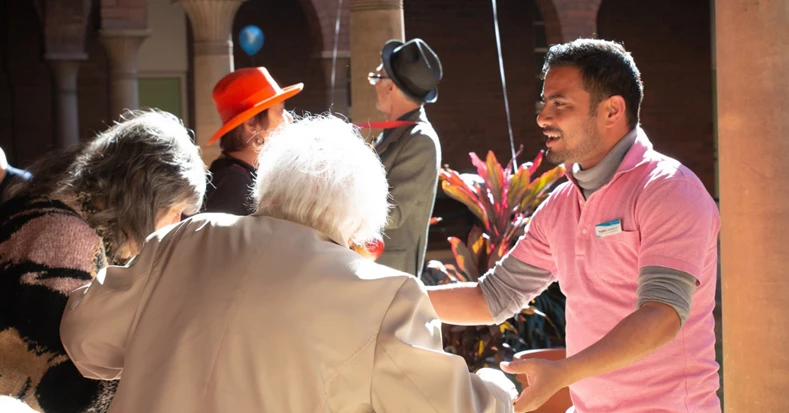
235 140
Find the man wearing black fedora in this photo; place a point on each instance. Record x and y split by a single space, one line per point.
409 148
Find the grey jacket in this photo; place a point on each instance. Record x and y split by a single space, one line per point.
412 158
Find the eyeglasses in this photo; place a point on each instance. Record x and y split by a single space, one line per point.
374 78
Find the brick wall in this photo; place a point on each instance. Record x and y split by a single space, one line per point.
124 14
326 13
290 50
671 46
469 115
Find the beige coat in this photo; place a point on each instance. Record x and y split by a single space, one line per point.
253 314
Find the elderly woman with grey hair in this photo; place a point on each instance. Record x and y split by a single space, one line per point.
83 209
275 312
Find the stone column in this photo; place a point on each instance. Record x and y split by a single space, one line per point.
65 68
373 22
338 100
122 47
212 22
752 84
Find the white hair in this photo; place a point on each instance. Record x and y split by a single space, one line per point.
319 172
9 404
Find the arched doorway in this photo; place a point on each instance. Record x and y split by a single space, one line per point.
26 93
291 50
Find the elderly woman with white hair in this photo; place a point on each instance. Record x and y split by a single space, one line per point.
275 312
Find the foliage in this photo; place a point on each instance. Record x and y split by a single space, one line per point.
503 202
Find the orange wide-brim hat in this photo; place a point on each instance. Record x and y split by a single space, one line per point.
244 93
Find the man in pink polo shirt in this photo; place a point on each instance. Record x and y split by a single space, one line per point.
631 239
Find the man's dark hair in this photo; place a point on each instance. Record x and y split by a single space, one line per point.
607 70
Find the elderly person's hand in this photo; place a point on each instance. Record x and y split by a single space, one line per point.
498 378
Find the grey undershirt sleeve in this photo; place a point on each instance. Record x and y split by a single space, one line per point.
668 286
510 285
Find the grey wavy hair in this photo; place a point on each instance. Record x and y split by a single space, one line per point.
319 172
127 175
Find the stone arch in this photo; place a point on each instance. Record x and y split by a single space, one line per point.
291 50
26 97
567 20
325 13
553 28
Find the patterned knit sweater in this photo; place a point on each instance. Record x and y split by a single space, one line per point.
46 251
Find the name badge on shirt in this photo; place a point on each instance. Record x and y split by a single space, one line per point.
608 228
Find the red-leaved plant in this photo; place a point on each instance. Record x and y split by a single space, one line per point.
503 202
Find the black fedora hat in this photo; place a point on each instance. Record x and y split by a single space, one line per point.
413 67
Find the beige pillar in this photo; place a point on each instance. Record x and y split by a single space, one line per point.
65 68
338 99
753 138
373 22
122 47
212 22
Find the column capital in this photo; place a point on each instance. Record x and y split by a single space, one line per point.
122 47
368 5
212 20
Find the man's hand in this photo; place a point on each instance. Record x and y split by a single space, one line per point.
540 380
635 337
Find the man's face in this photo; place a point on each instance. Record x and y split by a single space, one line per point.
383 89
565 118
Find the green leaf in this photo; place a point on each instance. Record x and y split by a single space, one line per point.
464 259
454 186
536 164
476 240
519 184
495 181
538 186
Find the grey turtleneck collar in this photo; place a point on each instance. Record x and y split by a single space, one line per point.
594 178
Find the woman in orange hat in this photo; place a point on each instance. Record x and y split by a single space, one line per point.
251 106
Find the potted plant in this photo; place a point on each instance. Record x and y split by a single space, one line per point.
502 200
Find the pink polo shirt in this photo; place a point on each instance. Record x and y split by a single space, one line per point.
668 219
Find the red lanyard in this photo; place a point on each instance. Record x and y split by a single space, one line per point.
388 124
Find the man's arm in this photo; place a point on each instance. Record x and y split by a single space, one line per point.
502 292
460 304
414 173
635 337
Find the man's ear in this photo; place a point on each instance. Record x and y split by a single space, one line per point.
615 109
